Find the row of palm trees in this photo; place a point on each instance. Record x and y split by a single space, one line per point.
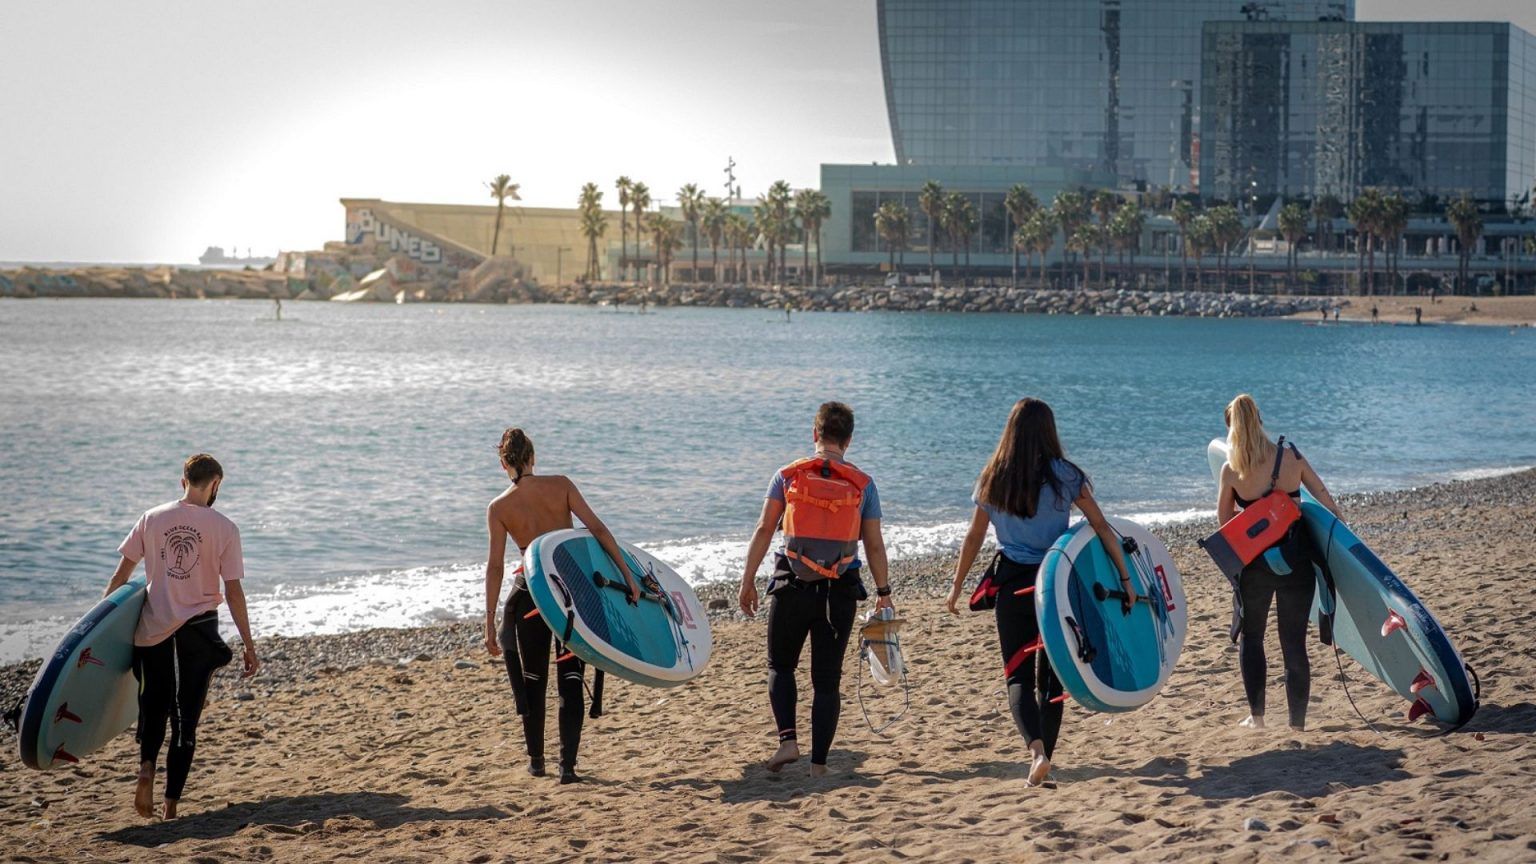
1087 223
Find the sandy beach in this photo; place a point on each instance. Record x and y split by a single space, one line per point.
403 746
1487 311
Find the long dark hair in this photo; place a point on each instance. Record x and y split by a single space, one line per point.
1021 464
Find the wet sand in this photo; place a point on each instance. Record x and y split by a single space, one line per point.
404 746
1489 311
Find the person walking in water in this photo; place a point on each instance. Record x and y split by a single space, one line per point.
1026 493
533 505
1257 466
827 508
193 563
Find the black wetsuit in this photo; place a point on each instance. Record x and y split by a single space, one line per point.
173 685
824 611
1282 574
1032 684
525 642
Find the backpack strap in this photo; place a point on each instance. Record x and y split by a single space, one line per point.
1274 476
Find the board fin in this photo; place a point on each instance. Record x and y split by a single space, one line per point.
62 755
85 657
1418 709
1420 681
1059 699
1026 590
1022 654
65 714
1393 623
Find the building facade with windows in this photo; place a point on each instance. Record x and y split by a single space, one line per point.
1102 86
1299 109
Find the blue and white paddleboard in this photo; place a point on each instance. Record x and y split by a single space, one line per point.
85 694
1378 621
663 641
1108 660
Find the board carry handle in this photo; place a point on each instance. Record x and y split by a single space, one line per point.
1101 594
622 587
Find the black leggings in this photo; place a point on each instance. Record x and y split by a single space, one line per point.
173 684
825 612
1292 593
525 642
1032 684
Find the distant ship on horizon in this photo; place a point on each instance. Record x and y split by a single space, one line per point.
214 256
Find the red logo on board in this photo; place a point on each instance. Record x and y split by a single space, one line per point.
1162 579
682 609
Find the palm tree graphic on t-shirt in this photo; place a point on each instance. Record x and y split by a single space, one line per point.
180 552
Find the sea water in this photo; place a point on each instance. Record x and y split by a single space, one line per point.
359 441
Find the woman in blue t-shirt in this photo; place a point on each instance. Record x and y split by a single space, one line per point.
1026 494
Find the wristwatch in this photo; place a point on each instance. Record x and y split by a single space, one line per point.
883 592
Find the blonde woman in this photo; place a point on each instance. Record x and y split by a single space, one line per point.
1283 573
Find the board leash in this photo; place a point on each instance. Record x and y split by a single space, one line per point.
906 690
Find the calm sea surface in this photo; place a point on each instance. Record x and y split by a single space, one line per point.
359 441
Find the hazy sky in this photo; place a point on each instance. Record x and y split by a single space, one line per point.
145 131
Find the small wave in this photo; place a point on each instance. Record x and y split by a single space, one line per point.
1487 473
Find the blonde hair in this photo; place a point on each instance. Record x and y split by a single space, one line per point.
1251 448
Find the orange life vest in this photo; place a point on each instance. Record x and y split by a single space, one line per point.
823 516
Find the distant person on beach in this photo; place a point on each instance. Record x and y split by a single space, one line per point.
815 586
1375 314
787 309
1026 493
531 506
279 302
1283 573
192 561
1418 315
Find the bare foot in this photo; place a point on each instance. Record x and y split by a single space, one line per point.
170 808
818 770
1253 721
144 794
1039 770
788 752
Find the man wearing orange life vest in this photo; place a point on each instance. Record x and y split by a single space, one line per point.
827 507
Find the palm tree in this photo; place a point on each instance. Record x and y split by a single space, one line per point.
892 221
763 226
1040 231
1126 227
668 238
738 233
813 207
1468 223
781 198
1083 241
960 223
502 188
1393 224
1293 226
624 184
594 223
712 218
689 200
1366 212
1020 204
1226 230
1183 213
1326 208
640 201
1202 238
1103 204
1071 210
930 200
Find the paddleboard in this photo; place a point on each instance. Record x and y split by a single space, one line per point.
662 641
85 693
1108 660
1378 621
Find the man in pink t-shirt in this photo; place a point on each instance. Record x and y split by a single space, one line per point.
191 556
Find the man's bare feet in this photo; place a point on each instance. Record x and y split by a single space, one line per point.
144 793
1039 769
1253 721
788 752
170 808
818 770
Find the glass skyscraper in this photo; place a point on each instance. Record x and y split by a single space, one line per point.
1104 86
1300 109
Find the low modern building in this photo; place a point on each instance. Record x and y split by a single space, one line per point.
1298 109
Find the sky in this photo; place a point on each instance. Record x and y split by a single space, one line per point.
146 131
